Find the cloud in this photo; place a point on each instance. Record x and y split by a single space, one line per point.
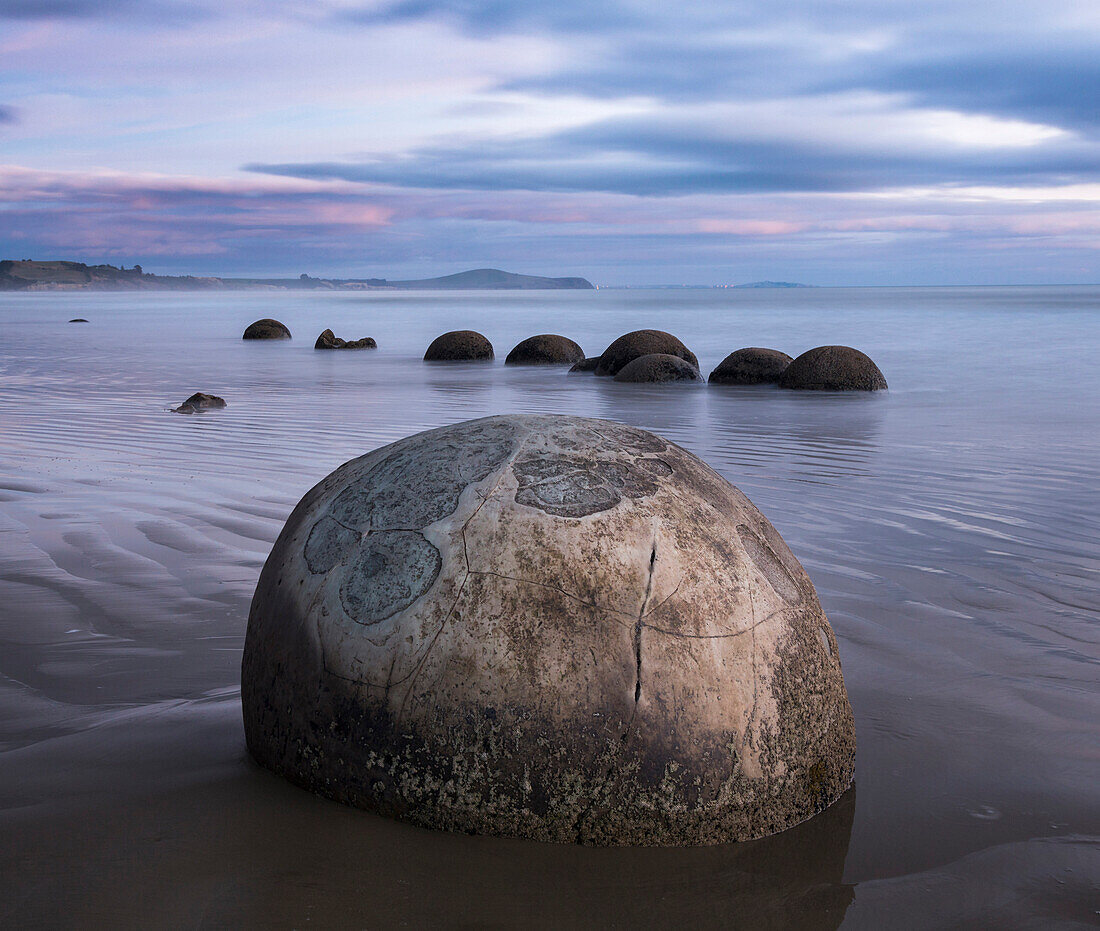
1059 86
162 13
831 138
817 145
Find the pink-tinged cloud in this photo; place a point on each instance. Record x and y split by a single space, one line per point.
749 227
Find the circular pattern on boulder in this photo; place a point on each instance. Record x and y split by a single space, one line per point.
266 329
459 346
658 367
631 346
833 368
546 627
545 349
750 366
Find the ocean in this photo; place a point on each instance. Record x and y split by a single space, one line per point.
951 526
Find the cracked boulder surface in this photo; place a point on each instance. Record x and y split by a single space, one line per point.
546 627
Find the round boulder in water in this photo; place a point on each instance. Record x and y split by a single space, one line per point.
658 367
266 329
546 627
833 368
631 346
750 366
459 346
545 349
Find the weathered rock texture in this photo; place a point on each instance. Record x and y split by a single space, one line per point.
630 346
833 368
459 346
658 367
546 349
750 366
546 627
586 365
329 340
200 402
266 329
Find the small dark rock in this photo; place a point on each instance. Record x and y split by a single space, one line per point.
200 402
586 365
751 366
547 349
631 346
78 320
266 329
329 340
459 346
833 368
658 367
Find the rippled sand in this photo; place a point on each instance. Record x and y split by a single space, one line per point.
950 526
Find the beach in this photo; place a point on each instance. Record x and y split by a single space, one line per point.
949 525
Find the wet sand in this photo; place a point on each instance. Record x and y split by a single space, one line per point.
950 527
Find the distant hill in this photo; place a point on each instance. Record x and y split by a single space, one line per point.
774 284
29 275
491 278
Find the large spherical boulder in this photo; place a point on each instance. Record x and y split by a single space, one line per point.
459 346
833 368
266 329
750 366
630 346
547 627
545 349
658 367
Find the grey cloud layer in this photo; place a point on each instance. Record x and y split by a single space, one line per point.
642 158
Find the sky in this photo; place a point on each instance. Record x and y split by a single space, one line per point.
838 142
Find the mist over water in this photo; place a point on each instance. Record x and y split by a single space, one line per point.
951 526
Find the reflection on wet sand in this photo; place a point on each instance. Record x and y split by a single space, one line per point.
173 826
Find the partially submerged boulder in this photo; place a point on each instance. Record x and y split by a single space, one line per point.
631 346
545 349
459 346
329 340
586 365
200 402
833 368
750 366
658 367
266 329
546 627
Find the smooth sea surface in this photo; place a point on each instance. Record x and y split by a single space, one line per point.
951 526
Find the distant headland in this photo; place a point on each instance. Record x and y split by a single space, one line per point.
30 275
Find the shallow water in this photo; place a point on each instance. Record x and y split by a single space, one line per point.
951 526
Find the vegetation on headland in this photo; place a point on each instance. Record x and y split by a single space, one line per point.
30 275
